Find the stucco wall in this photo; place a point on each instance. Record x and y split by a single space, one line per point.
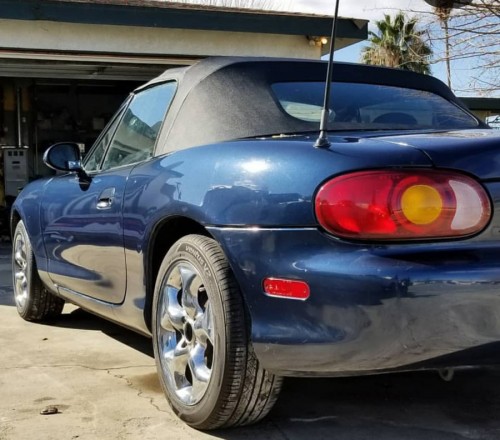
54 36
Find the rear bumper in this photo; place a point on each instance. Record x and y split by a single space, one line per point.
372 308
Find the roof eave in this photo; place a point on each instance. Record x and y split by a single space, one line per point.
167 15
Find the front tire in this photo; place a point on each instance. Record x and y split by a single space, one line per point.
33 301
205 360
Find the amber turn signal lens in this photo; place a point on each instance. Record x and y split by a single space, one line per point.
421 204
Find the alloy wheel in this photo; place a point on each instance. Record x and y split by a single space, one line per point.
185 333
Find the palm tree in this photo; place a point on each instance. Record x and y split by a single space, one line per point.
398 43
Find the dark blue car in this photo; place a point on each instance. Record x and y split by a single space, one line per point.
205 217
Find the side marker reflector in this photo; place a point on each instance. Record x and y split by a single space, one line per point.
282 288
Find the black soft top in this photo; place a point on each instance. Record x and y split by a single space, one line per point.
220 99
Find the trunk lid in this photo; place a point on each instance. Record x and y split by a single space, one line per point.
474 151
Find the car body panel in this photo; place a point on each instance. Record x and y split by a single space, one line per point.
242 191
84 244
371 308
250 182
28 209
473 151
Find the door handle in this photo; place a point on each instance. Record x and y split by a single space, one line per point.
106 198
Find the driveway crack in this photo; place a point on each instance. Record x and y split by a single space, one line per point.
140 393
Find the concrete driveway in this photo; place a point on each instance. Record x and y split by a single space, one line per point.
102 380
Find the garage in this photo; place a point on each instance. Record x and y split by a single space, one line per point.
65 66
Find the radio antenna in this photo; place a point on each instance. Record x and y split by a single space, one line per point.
322 141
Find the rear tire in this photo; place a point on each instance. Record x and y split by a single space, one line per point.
206 363
33 301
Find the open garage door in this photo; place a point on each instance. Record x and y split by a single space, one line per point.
47 98
91 66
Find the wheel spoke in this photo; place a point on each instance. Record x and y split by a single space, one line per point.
199 371
179 361
20 253
203 326
168 343
20 259
21 282
179 367
172 314
191 284
21 296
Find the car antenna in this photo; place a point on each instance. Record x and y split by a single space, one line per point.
322 141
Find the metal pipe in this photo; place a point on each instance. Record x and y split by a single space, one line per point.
19 122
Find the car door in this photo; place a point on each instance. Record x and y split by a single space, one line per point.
82 220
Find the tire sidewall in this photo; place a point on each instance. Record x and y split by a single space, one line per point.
190 252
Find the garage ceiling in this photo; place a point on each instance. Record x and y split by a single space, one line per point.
117 72
86 66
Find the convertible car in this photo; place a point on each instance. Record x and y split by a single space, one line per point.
206 218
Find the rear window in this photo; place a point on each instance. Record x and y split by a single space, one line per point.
357 106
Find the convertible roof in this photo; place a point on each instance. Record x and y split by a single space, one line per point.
221 99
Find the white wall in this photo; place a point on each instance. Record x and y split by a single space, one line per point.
55 36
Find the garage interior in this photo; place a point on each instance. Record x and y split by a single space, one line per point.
47 101
46 104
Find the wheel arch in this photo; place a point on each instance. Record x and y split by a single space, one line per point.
162 238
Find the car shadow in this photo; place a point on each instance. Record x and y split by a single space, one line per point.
405 406
6 293
77 318
81 320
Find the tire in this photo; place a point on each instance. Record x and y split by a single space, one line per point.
205 361
33 301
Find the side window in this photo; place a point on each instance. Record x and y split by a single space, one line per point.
95 156
137 131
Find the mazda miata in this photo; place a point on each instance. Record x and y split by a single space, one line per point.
207 217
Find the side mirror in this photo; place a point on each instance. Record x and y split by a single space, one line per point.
64 156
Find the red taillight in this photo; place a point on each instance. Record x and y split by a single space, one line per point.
284 288
402 205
